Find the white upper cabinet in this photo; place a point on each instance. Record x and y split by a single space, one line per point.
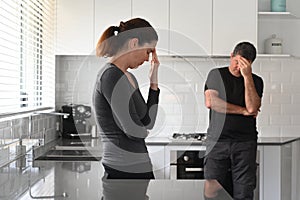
75 25
157 13
190 27
233 21
110 13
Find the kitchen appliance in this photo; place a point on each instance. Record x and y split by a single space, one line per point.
187 165
273 45
189 137
75 125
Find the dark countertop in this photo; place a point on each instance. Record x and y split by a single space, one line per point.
261 141
276 140
24 179
28 179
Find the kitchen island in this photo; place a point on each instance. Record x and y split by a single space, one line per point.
279 177
28 179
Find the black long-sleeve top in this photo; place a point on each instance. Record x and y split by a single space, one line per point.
123 117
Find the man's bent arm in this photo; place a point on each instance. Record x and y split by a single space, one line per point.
214 102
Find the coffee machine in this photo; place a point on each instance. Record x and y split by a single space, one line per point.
75 124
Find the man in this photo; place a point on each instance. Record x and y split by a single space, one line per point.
233 95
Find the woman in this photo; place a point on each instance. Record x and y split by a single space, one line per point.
121 112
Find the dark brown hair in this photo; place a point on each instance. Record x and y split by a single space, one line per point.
246 50
114 37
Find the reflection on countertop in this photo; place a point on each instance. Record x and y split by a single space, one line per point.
26 178
80 149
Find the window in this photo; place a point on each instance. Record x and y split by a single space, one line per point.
27 62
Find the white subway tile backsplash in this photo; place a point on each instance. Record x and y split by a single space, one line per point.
1 134
195 77
296 119
7 133
181 82
269 131
280 120
270 66
292 88
184 66
296 98
192 120
172 98
185 109
167 76
291 109
290 131
272 88
3 124
290 65
295 76
281 77
161 131
271 108
184 87
16 131
283 98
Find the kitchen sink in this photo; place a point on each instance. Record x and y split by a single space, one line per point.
71 155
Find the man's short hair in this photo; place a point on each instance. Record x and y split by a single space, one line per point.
246 50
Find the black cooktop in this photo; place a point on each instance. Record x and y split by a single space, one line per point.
189 136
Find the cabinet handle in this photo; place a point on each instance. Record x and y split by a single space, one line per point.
195 169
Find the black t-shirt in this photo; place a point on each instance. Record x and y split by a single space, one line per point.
231 89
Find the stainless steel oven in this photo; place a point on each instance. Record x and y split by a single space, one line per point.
187 165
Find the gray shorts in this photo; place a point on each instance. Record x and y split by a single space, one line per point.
233 164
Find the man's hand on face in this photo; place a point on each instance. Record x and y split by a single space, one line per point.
245 67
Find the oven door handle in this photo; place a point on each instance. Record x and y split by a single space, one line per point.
194 169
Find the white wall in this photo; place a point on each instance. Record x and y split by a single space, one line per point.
181 82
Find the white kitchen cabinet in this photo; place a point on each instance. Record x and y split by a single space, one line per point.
233 21
157 13
190 27
74 27
286 26
279 171
157 156
110 13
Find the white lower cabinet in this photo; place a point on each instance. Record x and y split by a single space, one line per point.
279 177
157 156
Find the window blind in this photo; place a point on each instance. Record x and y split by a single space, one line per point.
27 62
